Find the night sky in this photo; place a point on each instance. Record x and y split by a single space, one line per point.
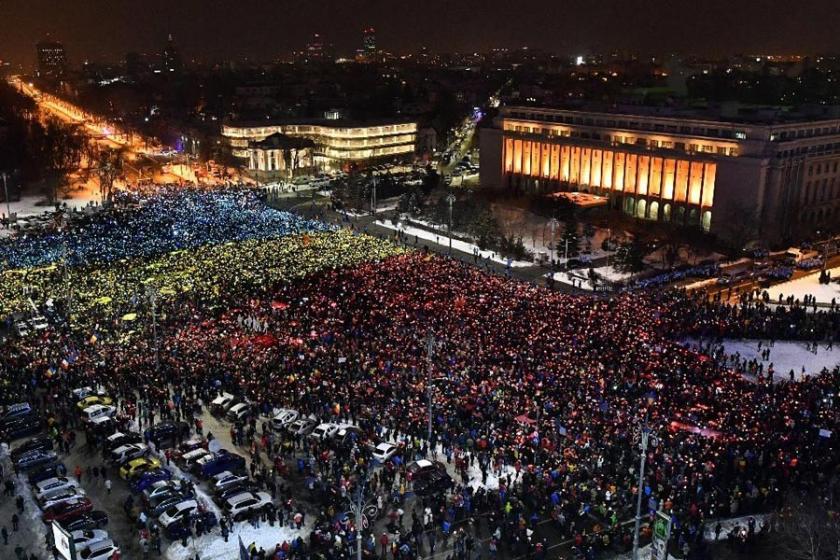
265 29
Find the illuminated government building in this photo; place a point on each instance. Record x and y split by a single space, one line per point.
780 173
337 143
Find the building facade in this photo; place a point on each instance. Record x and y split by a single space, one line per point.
777 181
337 143
52 59
280 157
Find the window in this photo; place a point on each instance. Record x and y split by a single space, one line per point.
740 135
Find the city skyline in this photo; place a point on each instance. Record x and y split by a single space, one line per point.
99 30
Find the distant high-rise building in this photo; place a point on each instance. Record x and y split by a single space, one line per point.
171 57
369 41
52 59
135 65
315 48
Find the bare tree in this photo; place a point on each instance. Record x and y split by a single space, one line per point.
60 152
109 167
806 529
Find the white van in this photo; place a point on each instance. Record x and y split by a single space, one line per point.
98 411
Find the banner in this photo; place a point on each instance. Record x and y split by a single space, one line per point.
63 542
661 534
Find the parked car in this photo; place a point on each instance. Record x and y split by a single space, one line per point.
67 510
163 488
16 410
145 479
384 451
98 411
219 462
168 433
302 426
179 511
58 495
223 494
424 468
136 466
189 459
239 506
21 426
221 404
119 439
283 417
91 400
81 392
33 459
128 452
94 520
41 488
238 412
167 502
183 527
101 550
192 444
433 484
324 431
42 443
85 537
348 435
103 426
47 471
224 479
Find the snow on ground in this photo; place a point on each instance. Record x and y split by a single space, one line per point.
785 356
726 525
457 244
809 285
612 274
474 473
30 205
575 278
213 547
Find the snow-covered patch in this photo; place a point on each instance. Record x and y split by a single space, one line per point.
784 357
457 244
727 525
810 286
213 547
612 274
575 278
492 483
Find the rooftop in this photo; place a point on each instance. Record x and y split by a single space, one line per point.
734 113
332 123
279 141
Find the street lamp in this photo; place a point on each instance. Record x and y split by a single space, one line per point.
450 198
8 204
643 437
430 349
152 295
357 508
373 197
553 224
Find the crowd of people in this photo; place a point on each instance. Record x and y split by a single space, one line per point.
144 224
538 397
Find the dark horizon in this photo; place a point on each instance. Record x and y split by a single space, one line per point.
268 29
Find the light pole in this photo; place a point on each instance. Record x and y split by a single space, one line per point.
430 349
357 508
152 295
643 435
451 200
373 197
553 224
8 204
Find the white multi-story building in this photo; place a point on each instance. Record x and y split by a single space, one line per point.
781 173
337 142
